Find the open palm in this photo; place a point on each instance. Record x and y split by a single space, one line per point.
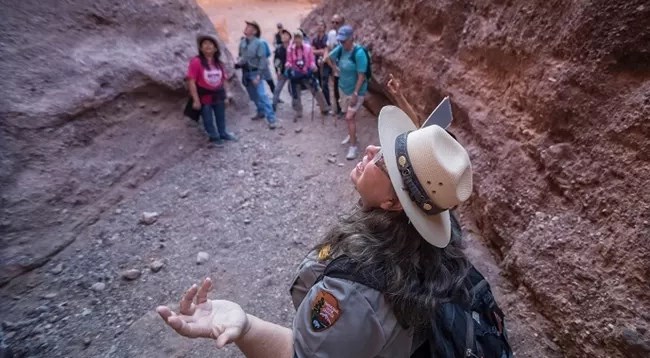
199 317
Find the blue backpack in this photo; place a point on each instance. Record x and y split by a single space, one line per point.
267 49
353 58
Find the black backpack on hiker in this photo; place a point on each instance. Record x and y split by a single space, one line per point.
353 58
473 330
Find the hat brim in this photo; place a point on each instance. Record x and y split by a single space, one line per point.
342 38
255 25
201 38
435 229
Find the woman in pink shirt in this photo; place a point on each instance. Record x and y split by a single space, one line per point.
207 83
300 69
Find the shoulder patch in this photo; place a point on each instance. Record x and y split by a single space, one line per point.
325 311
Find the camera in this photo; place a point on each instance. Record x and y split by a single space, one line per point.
241 66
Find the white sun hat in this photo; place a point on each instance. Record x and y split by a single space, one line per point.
430 172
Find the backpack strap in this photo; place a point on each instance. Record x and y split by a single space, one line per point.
354 51
345 268
482 296
469 336
483 303
353 57
338 58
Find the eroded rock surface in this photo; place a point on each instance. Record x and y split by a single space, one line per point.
552 98
90 104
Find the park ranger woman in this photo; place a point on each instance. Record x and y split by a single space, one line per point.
402 231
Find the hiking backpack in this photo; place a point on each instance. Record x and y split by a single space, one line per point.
474 330
267 48
353 58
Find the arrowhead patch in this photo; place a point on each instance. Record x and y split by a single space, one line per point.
325 311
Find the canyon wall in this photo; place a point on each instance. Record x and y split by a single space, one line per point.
91 106
552 100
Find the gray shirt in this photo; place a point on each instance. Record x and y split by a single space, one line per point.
340 318
251 52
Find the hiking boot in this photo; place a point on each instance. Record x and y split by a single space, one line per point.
345 140
353 152
229 136
257 117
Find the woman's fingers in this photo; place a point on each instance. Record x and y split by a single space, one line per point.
188 329
202 295
180 326
226 336
392 84
186 301
164 312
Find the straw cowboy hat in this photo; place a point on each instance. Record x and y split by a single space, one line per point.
256 26
430 171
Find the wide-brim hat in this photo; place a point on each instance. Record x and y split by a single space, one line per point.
430 172
202 37
256 26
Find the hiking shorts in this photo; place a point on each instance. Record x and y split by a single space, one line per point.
347 99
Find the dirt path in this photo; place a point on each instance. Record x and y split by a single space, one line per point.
255 207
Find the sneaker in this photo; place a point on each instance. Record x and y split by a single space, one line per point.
280 100
230 137
257 117
272 125
340 113
346 140
353 152
326 112
217 141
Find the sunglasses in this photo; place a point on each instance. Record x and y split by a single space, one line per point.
378 160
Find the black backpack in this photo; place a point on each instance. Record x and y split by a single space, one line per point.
474 330
354 58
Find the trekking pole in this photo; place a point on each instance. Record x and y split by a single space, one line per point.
312 107
320 82
335 102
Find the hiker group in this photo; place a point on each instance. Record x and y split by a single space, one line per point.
302 62
390 279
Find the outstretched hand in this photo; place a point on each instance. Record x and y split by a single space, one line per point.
199 317
393 85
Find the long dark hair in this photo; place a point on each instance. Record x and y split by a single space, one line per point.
417 274
216 58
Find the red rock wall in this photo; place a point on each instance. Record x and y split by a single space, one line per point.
552 100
